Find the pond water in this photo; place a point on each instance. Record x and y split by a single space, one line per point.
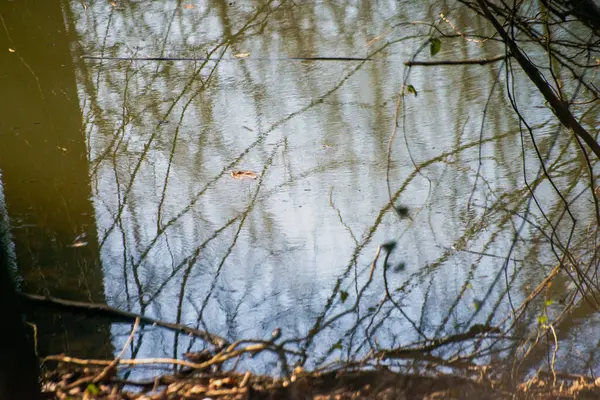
124 122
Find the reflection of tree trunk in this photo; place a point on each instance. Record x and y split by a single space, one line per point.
18 364
44 167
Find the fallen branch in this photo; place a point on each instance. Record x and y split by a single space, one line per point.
107 311
478 61
114 363
472 333
224 59
217 359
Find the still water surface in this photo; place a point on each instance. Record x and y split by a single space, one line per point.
117 172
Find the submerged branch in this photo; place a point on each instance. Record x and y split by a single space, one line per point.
472 333
477 61
110 312
317 58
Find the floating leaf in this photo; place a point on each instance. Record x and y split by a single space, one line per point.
411 89
189 6
549 302
241 55
343 295
542 319
11 50
434 46
371 309
112 3
477 304
240 175
93 389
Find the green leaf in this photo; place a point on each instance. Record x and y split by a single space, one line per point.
343 295
411 89
434 46
542 319
549 303
371 309
93 389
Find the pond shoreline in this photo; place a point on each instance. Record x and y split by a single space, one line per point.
73 381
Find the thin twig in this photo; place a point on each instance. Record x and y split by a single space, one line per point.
442 16
218 359
553 364
106 370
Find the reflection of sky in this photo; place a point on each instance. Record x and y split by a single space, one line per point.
324 187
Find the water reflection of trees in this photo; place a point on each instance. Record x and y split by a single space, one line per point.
181 241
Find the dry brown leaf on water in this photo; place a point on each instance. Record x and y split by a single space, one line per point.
243 175
189 6
11 50
112 3
241 55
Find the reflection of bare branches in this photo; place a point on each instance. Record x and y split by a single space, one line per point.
191 260
332 320
245 214
149 143
483 117
339 213
391 298
261 137
369 234
174 146
376 313
222 47
563 114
